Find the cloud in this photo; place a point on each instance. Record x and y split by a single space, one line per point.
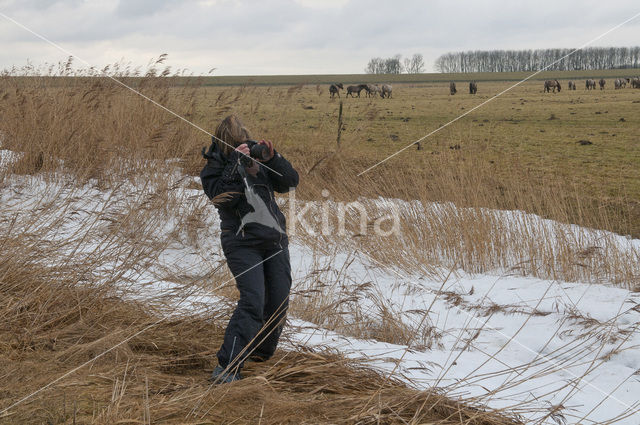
299 36
322 4
131 9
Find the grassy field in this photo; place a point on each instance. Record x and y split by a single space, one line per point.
583 143
571 156
271 80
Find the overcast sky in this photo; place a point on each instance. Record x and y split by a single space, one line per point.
298 36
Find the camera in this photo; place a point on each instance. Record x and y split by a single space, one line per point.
256 151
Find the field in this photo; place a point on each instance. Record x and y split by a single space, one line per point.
292 80
581 143
506 295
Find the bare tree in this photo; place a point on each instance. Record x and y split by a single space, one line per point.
406 64
392 65
375 66
415 65
532 60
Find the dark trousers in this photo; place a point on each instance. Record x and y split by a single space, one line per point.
263 276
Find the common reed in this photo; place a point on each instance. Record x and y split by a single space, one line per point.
72 289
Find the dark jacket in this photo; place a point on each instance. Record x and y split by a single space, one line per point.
221 176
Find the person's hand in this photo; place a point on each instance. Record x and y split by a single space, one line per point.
253 169
243 148
269 144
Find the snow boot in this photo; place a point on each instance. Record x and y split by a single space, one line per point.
220 376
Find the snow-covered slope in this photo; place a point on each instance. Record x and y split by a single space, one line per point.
509 341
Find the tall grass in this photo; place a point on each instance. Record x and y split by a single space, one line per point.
452 214
90 125
96 129
92 166
70 279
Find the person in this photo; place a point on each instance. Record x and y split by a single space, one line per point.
257 253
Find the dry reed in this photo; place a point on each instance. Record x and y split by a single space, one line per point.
68 289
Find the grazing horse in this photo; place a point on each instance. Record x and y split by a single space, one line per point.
635 83
385 91
552 85
473 87
365 87
452 88
590 84
335 89
572 85
354 89
372 90
602 82
620 83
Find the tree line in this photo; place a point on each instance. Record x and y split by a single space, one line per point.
396 65
534 60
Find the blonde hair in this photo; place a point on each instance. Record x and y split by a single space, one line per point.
232 132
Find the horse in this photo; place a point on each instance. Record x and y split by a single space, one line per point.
473 87
385 91
335 89
635 83
620 83
365 87
373 90
572 85
590 84
354 89
452 88
552 85
602 82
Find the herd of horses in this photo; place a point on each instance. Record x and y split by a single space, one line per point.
371 90
590 84
385 90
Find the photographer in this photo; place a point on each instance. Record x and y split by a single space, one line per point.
253 240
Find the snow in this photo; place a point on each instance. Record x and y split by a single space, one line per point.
7 157
539 339
506 341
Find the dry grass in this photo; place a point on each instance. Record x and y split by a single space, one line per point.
52 324
97 128
506 155
71 328
500 165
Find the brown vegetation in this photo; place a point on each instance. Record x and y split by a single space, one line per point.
52 326
78 344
